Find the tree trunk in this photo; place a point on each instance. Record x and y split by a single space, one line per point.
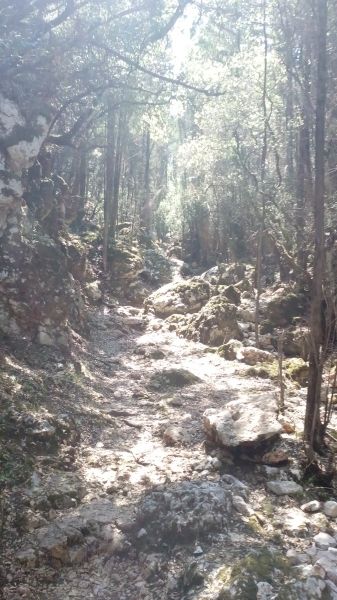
259 258
300 199
117 173
312 425
146 216
109 179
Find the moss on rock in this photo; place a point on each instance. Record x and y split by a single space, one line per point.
241 579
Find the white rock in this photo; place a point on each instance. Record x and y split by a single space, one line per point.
241 506
330 508
141 533
297 558
328 567
264 591
315 570
295 522
324 540
284 488
311 507
242 423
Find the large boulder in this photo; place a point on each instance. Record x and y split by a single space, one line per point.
284 306
182 512
241 424
179 298
225 274
33 305
126 264
214 325
296 342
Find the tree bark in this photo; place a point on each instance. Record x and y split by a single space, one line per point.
312 425
109 180
259 257
146 216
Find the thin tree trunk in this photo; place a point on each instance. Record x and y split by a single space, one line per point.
146 216
117 174
312 424
109 180
259 258
300 199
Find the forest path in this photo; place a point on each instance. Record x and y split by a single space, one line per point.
147 433
141 436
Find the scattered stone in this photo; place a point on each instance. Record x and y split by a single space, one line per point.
330 508
198 551
174 377
265 591
242 424
275 457
231 350
283 306
295 558
58 490
311 507
28 558
329 568
141 533
241 506
93 291
294 522
284 488
324 540
287 426
174 435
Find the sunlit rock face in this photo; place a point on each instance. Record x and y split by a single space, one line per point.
215 324
179 298
35 286
242 425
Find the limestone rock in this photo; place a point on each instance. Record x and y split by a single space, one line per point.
93 291
296 342
215 324
284 487
240 424
179 298
230 292
174 435
330 508
324 540
174 377
27 558
183 512
283 306
265 591
251 355
125 264
312 506
58 490
231 350
241 506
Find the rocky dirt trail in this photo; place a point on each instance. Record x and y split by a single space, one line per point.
146 501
